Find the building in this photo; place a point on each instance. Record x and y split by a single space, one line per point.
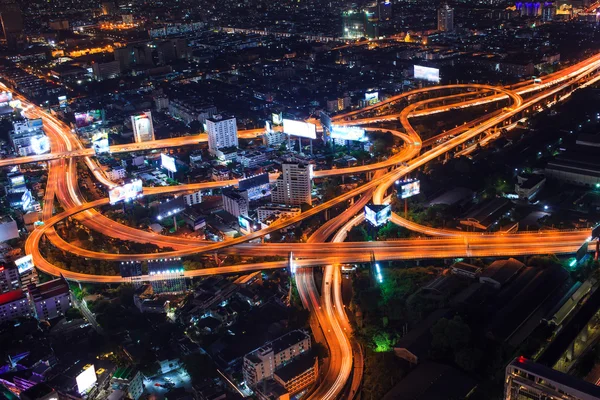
257 186
384 10
445 18
194 220
353 24
106 70
28 137
222 132
294 185
13 305
51 299
116 174
143 129
235 202
192 198
252 159
298 374
191 109
41 391
9 278
262 363
8 228
128 379
274 138
500 272
167 276
528 186
277 210
526 379
578 165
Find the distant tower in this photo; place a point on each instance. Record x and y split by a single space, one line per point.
384 10
12 24
445 18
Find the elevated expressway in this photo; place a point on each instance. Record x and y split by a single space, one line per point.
320 253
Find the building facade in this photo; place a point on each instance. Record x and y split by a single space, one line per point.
51 299
13 305
294 185
222 133
445 18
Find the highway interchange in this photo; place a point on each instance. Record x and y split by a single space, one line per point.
328 307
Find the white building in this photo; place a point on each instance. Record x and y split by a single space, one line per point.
261 363
192 198
274 138
280 211
116 174
51 299
13 305
222 133
294 185
143 129
28 137
445 18
235 202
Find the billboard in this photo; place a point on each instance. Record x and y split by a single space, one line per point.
126 192
100 142
246 225
325 121
15 103
62 101
372 96
88 118
17 180
299 128
408 188
426 73
349 133
24 264
27 200
277 118
143 131
40 144
86 380
378 215
168 163
170 207
5 97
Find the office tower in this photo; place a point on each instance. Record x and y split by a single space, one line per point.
143 129
526 379
384 10
13 305
235 202
294 185
222 133
12 23
445 18
353 24
9 278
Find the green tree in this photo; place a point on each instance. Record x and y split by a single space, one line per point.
449 336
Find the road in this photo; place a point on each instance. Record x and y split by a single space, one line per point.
62 185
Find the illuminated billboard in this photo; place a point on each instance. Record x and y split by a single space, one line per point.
299 128
277 118
27 200
426 73
408 188
126 192
348 133
378 215
246 225
168 163
40 144
88 118
24 264
143 130
5 97
372 96
17 180
86 380
62 101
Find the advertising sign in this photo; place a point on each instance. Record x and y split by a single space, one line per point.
349 133
246 224
62 101
87 118
378 215
27 200
426 73
5 97
372 96
142 127
86 380
15 103
168 163
408 188
40 144
299 128
24 264
17 180
126 192
277 118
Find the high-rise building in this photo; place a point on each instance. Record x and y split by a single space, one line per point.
143 129
9 278
445 18
294 185
12 23
167 276
384 10
262 363
222 133
235 202
51 299
526 379
353 24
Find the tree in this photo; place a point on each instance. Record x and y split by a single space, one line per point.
449 336
199 366
82 235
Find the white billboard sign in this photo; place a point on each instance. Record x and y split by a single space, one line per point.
299 128
427 73
86 380
126 192
168 163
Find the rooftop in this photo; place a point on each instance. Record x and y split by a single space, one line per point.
11 296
